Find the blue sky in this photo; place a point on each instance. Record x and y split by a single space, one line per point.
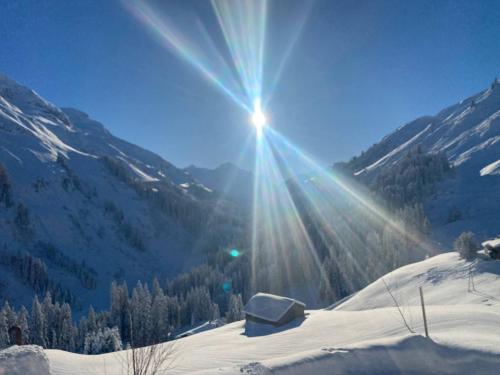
358 70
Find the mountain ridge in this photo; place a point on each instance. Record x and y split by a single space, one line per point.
68 182
468 133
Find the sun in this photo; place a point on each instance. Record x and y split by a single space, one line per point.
258 118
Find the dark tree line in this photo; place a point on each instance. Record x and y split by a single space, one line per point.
84 273
33 272
141 317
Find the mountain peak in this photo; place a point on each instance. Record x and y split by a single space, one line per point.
82 121
28 101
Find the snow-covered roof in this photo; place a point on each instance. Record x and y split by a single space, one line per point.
492 243
269 306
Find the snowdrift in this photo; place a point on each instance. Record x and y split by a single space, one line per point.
24 360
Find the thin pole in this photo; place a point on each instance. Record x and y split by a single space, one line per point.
423 311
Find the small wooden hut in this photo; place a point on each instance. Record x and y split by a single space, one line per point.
271 309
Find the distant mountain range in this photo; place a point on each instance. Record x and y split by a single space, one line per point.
229 180
93 207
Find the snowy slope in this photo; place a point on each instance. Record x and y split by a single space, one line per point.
364 335
97 202
469 134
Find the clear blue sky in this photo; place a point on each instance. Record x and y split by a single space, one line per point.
358 70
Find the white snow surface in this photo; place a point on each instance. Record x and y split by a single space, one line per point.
211 324
24 360
269 306
364 335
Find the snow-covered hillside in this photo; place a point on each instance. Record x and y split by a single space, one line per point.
363 335
469 134
91 206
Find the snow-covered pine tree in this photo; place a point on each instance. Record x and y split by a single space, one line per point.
67 334
120 309
93 343
215 311
91 320
174 311
38 324
140 308
4 333
466 245
159 314
199 304
104 340
10 314
49 314
235 309
111 340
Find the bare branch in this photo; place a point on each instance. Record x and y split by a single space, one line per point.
397 305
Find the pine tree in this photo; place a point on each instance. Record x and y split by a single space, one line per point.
10 315
156 288
66 335
215 312
120 309
111 340
235 309
49 312
38 324
4 333
159 315
91 320
199 305
466 245
93 342
140 308
174 311
104 340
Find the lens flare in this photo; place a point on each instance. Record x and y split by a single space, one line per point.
296 223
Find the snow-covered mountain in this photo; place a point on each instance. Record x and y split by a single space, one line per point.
91 206
366 334
469 134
